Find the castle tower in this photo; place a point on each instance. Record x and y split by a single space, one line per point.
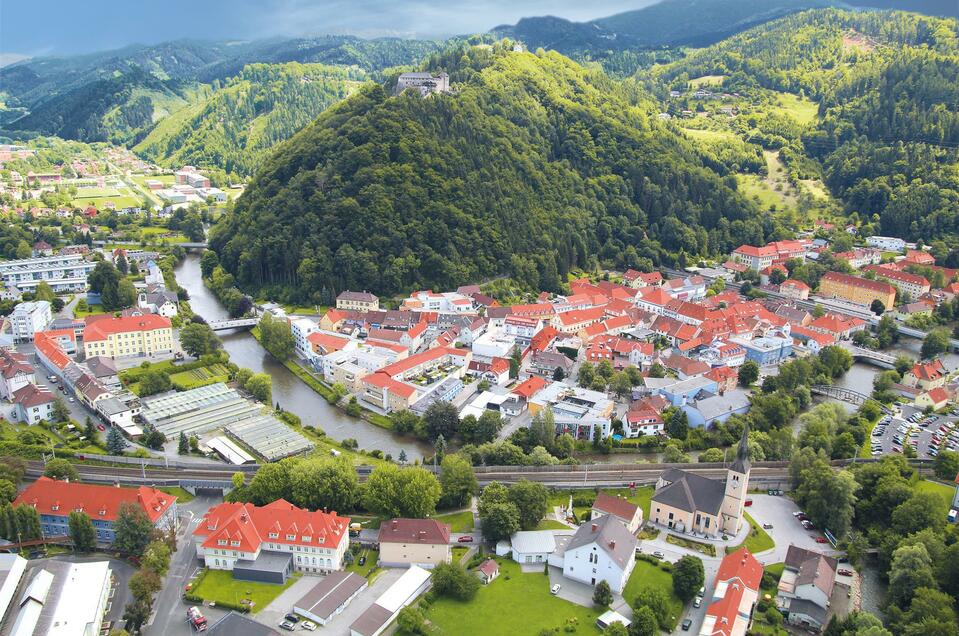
737 485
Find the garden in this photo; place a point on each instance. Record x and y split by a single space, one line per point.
219 587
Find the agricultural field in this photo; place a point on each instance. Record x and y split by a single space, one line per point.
802 109
194 378
706 80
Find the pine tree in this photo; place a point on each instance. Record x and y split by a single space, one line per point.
402 457
115 441
183 447
90 430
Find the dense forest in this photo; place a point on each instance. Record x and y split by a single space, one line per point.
263 105
887 85
531 167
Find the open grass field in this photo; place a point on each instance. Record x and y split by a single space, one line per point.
203 376
711 135
772 190
707 80
757 541
802 109
459 521
515 603
944 492
646 575
182 496
121 197
219 586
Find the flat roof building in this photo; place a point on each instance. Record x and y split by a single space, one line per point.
378 617
330 596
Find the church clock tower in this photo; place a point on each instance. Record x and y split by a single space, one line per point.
737 485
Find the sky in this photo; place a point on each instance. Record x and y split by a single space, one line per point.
66 27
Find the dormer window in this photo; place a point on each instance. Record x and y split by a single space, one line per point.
235 544
291 537
221 542
274 535
55 507
306 539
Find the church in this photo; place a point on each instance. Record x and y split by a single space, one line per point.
687 502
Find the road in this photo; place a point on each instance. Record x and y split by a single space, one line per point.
170 610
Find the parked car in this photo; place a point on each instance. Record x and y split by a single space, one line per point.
101 427
822 540
767 526
749 502
465 539
288 626
293 618
555 589
844 572
71 399
687 624
362 560
659 555
698 601
309 626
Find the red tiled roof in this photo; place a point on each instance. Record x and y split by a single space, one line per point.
755 252
489 567
383 381
795 284
104 328
32 395
417 359
938 395
530 387
424 531
251 525
928 370
894 274
52 497
856 281
616 506
834 324
580 316
741 565
327 342
51 350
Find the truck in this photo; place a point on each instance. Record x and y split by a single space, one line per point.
196 618
355 529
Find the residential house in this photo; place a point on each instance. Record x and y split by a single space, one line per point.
530 547
602 549
726 378
300 329
805 587
934 399
630 514
421 542
580 412
496 371
716 408
838 326
163 303
32 404
487 571
127 336
15 373
735 594
795 289
357 301
55 500
926 375
549 363
28 318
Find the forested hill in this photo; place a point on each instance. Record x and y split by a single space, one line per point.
234 127
531 167
887 85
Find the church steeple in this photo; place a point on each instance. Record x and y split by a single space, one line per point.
741 464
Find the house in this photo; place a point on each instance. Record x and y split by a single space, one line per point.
934 399
926 375
758 258
524 392
580 412
488 570
795 289
419 542
55 500
734 596
15 373
630 514
838 326
532 546
805 588
602 549
860 291
496 371
910 310
357 301
424 83
684 367
164 303
301 329
687 502
768 350
31 404
911 286
150 334
643 421
726 378
42 248
550 363
813 341
716 408
886 243
268 543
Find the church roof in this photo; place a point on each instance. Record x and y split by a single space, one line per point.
741 464
691 492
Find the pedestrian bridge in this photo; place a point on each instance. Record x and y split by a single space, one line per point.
877 358
236 323
847 395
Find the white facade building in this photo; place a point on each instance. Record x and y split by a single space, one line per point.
30 317
601 550
63 273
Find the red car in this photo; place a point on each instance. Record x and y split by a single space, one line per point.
465 539
845 572
101 427
822 540
749 502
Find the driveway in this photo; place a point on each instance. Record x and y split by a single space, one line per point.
272 615
582 594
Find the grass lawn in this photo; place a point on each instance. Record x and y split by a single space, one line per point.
646 575
458 552
710 135
707 80
757 541
365 569
92 310
803 110
776 569
219 586
185 380
706 548
182 496
551 524
459 521
515 603
944 492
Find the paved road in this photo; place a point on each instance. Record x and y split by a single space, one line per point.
170 610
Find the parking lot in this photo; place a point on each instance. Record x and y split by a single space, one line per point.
926 434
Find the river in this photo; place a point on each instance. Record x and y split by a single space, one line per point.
288 390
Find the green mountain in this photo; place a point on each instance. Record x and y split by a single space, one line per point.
119 95
886 85
531 167
263 105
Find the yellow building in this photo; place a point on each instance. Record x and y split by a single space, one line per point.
422 542
129 336
854 289
359 301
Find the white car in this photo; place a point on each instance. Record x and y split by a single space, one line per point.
555 589
309 626
698 602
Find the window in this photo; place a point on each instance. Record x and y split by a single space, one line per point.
274 535
291 537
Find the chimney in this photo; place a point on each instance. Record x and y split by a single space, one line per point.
395 524
242 517
612 544
595 527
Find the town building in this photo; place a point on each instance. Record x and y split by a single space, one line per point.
399 385
734 596
911 286
32 404
357 301
15 373
61 598
424 83
28 318
886 243
146 335
926 375
420 542
268 543
601 550
861 291
703 412
577 411
687 502
759 258
806 587
378 617
443 303
768 350
330 596
164 303
629 514
54 500
64 272
795 289
934 399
